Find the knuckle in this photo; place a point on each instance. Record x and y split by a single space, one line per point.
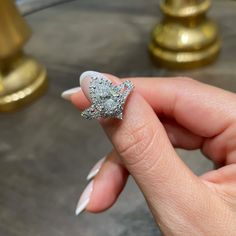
134 145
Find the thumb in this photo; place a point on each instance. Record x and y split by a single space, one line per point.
142 143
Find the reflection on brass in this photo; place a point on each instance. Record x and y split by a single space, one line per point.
186 37
22 78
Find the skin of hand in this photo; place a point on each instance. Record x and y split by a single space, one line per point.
161 114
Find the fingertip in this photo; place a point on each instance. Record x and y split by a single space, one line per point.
88 74
68 93
80 100
108 184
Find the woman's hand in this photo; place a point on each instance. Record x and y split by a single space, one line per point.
159 115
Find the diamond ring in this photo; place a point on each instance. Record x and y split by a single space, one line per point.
108 99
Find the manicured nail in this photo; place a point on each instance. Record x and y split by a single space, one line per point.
94 171
85 80
68 93
84 199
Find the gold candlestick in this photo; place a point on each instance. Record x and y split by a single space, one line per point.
22 78
185 38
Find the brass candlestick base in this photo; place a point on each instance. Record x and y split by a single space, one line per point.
23 81
22 78
185 38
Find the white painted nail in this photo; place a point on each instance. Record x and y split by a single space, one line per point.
85 80
89 74
94 171
68 93
84 199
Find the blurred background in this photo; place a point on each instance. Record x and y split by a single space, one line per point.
46 148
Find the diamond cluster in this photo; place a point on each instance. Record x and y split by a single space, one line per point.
107 98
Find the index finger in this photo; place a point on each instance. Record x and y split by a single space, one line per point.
203 109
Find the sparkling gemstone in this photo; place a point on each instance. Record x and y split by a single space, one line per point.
107 99
110 105
102 91
114 92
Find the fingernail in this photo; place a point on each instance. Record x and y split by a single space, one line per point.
94 171
84 199
85 80
68 93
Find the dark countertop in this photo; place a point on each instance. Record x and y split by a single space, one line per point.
46 150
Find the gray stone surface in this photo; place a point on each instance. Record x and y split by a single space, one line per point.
31 6
46 150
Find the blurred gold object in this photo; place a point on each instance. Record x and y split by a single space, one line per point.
22 78
186 37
